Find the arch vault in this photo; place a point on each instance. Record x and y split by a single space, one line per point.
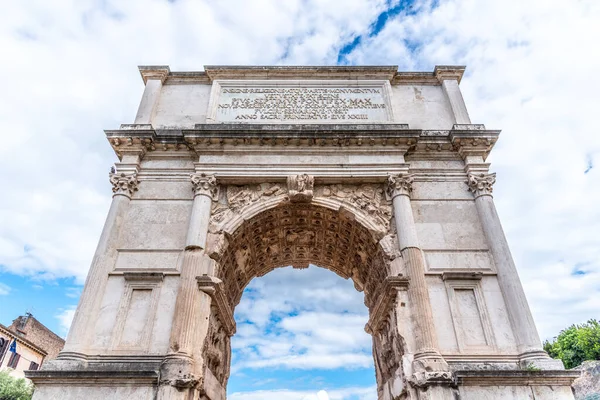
375 174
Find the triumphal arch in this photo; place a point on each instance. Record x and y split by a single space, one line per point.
375 174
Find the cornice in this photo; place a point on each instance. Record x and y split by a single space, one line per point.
268 72
461 140
154 72
451 72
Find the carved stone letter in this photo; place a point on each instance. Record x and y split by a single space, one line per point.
204 185
300 187
481 184
123 184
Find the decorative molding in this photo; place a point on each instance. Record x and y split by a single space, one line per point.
300 188
447 275
160 72
137 281
481 184
214 288
516 378
144 276
385 300
454 72
470 283
123 184
204 185
423 380
400 184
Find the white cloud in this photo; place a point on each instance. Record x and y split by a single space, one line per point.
4 289
285 321
530 72
65 318
360 393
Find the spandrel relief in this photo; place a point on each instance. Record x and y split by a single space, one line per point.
368 198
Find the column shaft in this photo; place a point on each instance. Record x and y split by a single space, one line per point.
425 336
106 252
185 331
427 354
519 313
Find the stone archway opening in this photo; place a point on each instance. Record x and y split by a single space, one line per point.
299 234
301 330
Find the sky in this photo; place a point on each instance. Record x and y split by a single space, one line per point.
69 70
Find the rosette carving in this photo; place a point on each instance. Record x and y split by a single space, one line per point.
481 184
123 184
204 185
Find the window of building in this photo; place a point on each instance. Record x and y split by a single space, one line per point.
33 366
14 360
3 347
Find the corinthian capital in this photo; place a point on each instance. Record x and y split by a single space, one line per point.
481 184
400 184
123 184
204 185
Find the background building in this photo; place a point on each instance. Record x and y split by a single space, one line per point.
34 344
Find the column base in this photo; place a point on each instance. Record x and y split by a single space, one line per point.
539 360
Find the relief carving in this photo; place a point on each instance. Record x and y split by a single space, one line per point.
300 187
299 234
388 350
368 198
217 349
237 198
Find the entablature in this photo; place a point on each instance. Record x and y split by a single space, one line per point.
464 140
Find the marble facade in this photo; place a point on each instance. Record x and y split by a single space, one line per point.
375 174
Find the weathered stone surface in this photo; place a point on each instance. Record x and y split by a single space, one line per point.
375 174
587 386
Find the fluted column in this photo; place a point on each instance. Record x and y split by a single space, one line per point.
184 331
399 188
521 319
123 186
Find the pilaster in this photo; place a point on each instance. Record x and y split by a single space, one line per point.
153 77
450 77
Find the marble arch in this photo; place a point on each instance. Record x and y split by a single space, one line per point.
377 174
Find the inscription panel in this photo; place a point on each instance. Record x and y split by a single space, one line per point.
304 102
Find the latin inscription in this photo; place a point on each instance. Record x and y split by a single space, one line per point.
304 104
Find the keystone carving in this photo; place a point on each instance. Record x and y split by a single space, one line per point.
481 184
300 187
400 184
123 184
204 185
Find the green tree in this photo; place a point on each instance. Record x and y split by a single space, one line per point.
576 344
14 388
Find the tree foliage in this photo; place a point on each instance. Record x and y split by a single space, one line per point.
576 344
14 388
